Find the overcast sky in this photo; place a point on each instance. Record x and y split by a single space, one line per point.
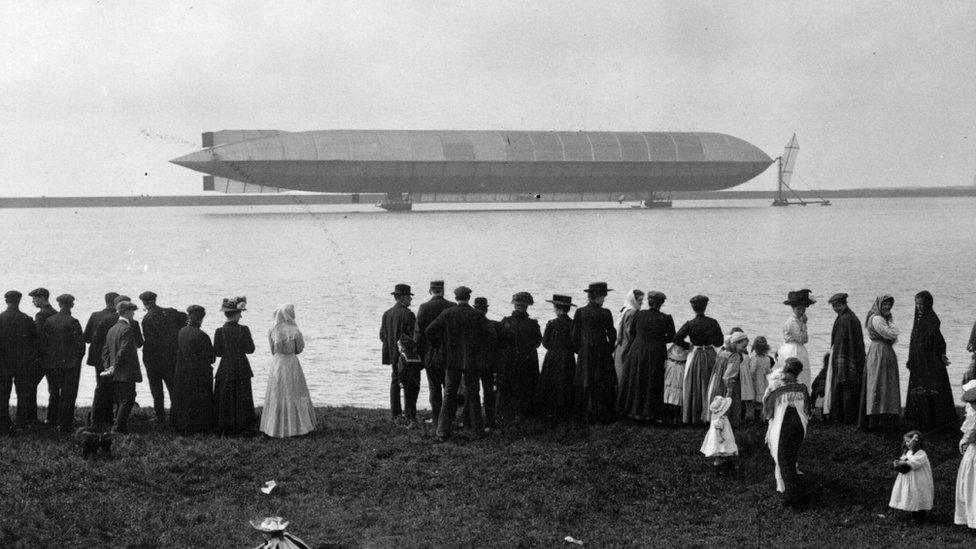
96 97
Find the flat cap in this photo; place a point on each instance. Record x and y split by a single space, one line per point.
841 297
123 306
462 293
195 310
524 298
65 299
657 297
13 295
699 300
480 302
40 292
147 296
436 284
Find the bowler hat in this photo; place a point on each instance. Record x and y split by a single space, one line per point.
656 297
123 306
597 287
436 284
799 297
699 300
480 303
969 391
196 311
564 300
65 299
462 293
233 304
401 289
523 298
838 298
40 292
13 296
147 296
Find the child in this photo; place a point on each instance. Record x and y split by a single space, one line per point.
720 441
409 363
754 378
966 477
914 490
674 375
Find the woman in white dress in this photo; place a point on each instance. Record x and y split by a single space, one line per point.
795 334
966 477
288 409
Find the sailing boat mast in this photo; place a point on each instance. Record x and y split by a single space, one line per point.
785 175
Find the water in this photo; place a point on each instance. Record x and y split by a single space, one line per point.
338 267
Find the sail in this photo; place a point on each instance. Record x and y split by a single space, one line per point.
789 160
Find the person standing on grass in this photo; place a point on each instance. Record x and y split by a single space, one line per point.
845 370
120 363
633 301
63 351
881 397
795 335
520 379
160 326
462 332
94 320
705 334
232 390
18 354
559 365
787 407
41 299
725 380
594 339
966 476
753 378
432 354
103 401
929 403
288 409
494 361
398 321
192 408
641 391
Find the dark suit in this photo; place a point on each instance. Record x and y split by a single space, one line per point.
433 356
160 328
462 332
399 320
104 399
18 356
120 353
95 345
64 347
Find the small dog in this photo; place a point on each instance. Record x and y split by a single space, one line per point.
91 442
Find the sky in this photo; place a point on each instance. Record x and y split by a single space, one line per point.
97 97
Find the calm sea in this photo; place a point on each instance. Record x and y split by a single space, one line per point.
338 266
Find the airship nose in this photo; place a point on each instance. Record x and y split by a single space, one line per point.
195 161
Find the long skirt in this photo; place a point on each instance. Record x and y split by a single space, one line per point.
698 372
966 488
192 401
641 391
288 409
235 406
882 392
674 374
788 350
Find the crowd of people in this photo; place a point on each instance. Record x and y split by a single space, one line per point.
178 357
643 369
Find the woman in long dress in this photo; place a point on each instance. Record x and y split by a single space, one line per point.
641 391
929 403
519 385
192 406
632 304
594 337
881 397
559 365
795 334
966 476
704 334
232 389
288 409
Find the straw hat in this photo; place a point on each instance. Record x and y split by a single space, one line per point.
720 405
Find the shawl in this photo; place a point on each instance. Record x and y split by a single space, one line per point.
876 309
926 333
284 327
846 345
630 302
791 386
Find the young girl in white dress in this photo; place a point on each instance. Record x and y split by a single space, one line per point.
288 409
966 477
719 442
914 489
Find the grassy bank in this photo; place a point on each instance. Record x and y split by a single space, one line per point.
359 481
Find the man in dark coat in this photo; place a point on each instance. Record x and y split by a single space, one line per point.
96 318
494 357
119 357
594 338
41 299
18 356
432 354
463 332
160 327
104 399
846 366
64 347
518 382
399 320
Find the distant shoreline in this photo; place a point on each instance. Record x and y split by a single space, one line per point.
269 199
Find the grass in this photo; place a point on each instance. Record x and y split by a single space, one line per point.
359 481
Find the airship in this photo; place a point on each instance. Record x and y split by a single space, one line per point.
407 166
